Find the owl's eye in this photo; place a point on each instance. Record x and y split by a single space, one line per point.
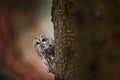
37 43
43 40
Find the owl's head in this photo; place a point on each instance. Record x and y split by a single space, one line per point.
42 42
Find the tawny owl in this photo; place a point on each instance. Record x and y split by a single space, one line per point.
44 46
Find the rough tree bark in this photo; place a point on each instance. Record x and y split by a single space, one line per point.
97 25
64 49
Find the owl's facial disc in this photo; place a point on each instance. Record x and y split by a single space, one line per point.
40 45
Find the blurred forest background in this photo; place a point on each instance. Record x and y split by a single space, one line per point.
20 22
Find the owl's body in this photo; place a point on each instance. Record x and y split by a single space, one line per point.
44 46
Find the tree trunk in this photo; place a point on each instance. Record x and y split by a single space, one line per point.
97 42
64 49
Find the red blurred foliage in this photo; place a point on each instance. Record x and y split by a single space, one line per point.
21 69
4 31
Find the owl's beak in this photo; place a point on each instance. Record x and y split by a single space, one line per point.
41 45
